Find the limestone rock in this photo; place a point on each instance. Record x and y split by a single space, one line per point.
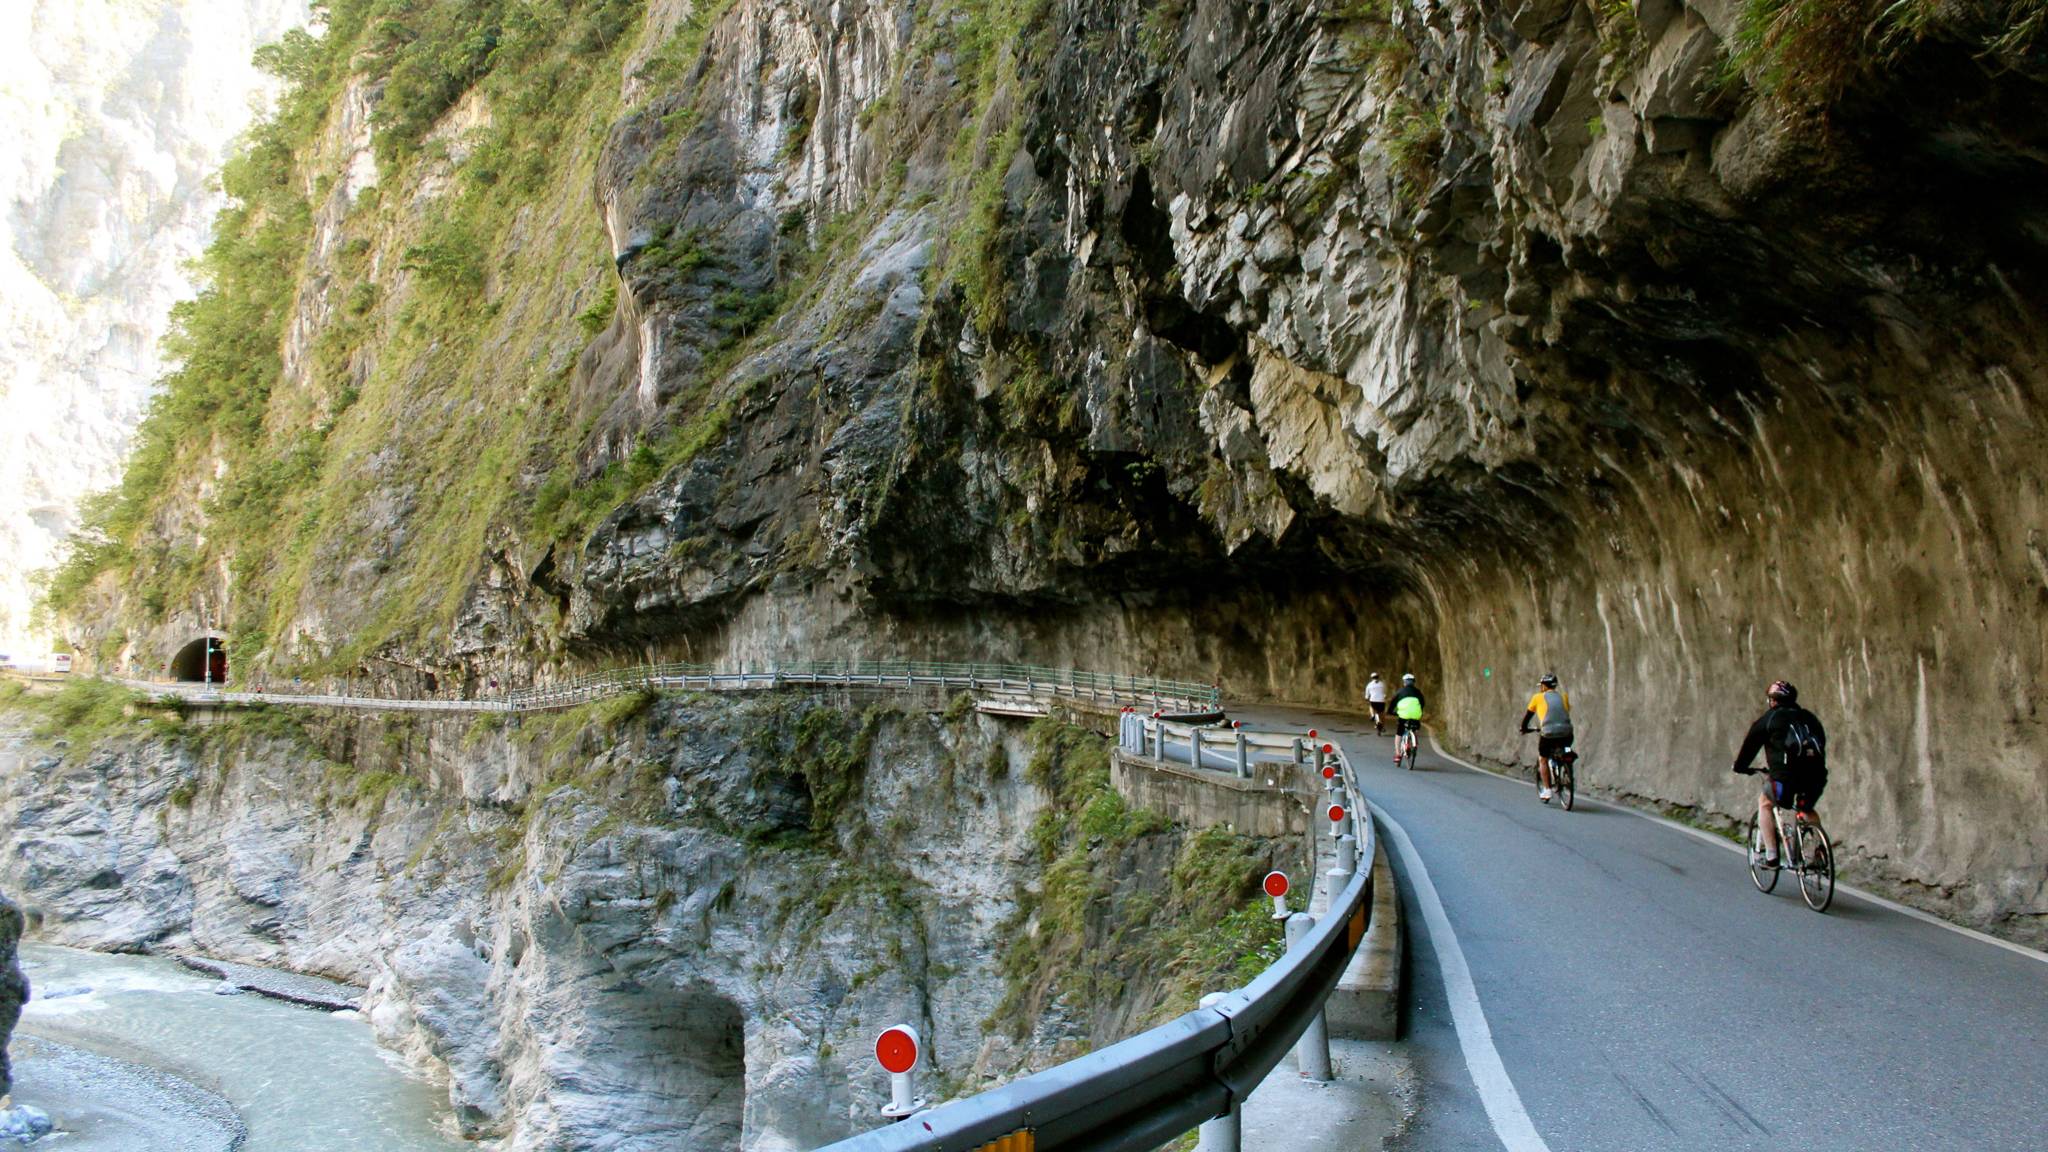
13 989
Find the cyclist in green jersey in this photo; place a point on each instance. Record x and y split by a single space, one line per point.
1407 714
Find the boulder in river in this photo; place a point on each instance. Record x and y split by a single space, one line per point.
13 985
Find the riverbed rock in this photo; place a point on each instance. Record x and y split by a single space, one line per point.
24 1124
14 988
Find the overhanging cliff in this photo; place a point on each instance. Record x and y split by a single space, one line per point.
1673 347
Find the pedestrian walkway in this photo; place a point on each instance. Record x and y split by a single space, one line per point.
1369 1104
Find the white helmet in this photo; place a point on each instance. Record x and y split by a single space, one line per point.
1407 677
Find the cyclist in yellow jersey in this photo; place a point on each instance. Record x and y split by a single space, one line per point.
1551 709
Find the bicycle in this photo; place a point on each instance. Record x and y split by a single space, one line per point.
1562 779
1404 747
1803 848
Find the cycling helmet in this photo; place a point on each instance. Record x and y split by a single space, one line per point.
1407 677
1782 692
1549 680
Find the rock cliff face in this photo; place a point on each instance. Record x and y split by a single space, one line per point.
13 985
1501 337
669 923
116 119
1671 346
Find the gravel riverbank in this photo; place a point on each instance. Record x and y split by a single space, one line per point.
105 1104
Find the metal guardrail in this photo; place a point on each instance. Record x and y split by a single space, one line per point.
1034 681
1146 1090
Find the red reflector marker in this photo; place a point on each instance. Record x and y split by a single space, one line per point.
896 1049
1276 884
1336 813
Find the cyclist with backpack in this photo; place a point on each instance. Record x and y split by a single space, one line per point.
1795 749
1551 709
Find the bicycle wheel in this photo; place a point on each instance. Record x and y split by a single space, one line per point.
1764 878
1412 741
1563 776
1817 878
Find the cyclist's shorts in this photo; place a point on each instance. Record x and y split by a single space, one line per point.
1408 726
1551 745
1379 707
1799 795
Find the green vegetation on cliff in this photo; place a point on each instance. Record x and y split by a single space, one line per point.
374 375
1133 915
1809 53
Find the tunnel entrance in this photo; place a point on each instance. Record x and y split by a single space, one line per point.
202 660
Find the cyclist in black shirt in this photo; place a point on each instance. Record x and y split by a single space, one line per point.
1794 746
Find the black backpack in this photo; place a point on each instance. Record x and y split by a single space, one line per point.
1803 742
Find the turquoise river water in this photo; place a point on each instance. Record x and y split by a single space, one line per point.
301 1079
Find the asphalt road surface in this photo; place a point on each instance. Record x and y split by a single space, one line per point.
1625 988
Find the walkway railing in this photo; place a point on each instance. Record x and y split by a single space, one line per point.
1028 680
1233 750
1145 1091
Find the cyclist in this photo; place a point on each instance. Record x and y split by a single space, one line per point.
1376 699
1795 754
1407 713
1551 709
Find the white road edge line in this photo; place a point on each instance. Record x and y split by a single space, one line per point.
1906 910
1489 1076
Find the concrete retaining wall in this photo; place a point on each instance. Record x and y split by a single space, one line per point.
1265 805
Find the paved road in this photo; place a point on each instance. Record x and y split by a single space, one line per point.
1641 995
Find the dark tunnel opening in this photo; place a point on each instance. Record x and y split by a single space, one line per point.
204 660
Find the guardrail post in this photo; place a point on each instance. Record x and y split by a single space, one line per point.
1345 864
1244 763
1224 1133
1194 747
1299 758
1312 1051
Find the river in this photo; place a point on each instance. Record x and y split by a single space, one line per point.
301 1080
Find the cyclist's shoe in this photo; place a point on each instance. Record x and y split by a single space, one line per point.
1768 863
1543 794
